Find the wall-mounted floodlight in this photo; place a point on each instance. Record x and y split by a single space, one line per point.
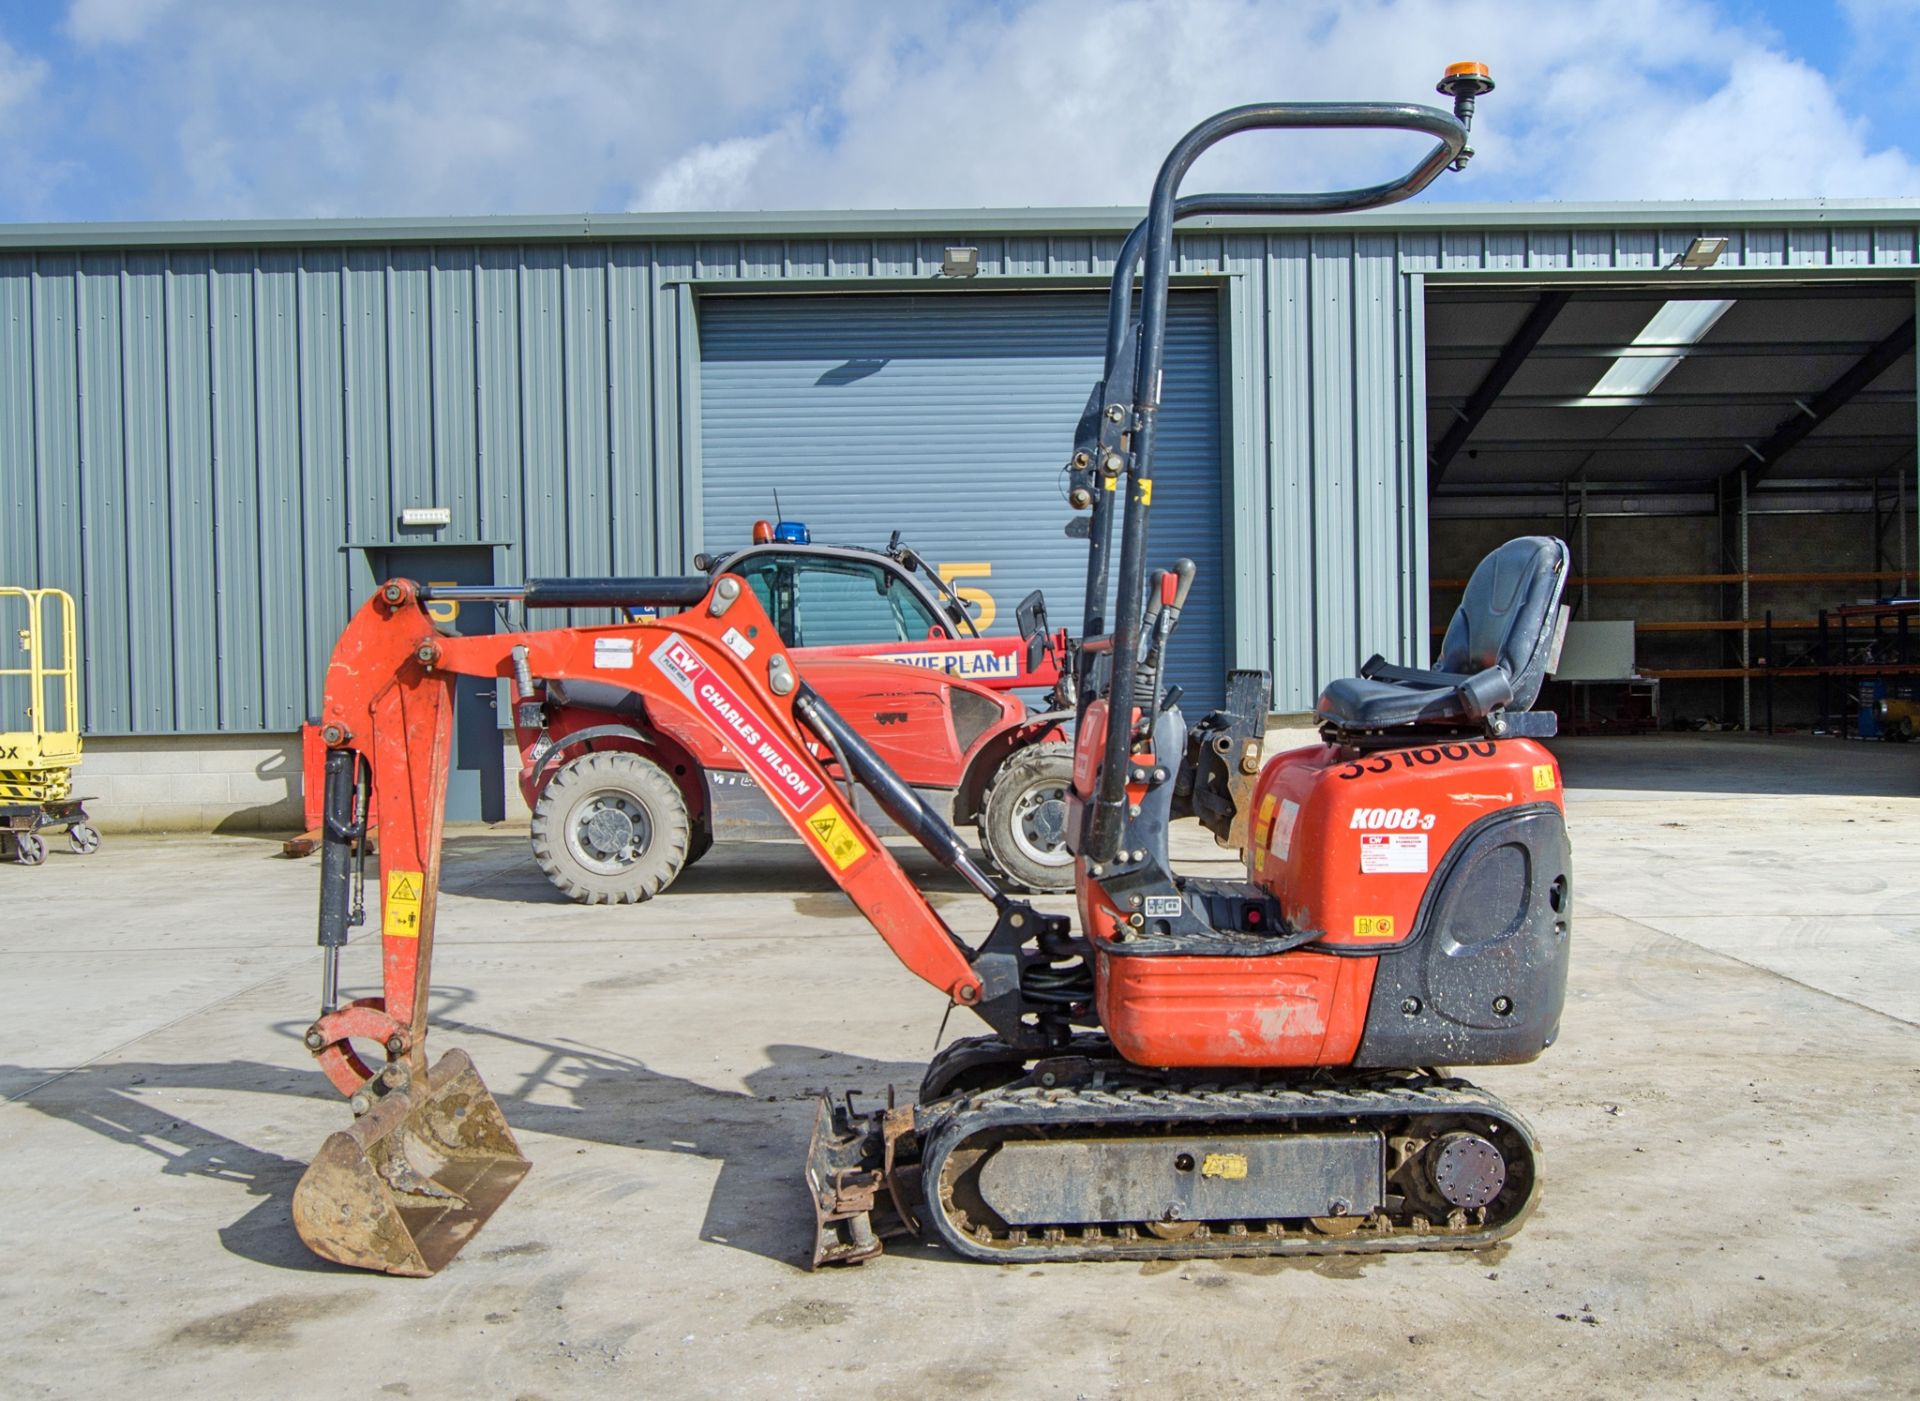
426 515
1703 253
961 262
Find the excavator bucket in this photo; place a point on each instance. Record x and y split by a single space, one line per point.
414 1178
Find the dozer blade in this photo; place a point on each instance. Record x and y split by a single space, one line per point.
408 1185
854 1181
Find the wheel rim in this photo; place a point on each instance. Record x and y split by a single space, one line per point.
83 839
1040 822
609 831
32 851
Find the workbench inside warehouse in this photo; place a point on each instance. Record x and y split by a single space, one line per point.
1779 660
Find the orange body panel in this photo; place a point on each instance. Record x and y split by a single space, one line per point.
1285 1009
1348 844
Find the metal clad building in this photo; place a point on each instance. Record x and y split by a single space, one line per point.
202 425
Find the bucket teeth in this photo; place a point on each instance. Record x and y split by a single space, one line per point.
414 1178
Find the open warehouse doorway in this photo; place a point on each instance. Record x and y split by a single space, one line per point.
1733 464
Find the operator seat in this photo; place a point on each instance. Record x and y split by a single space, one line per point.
1491 664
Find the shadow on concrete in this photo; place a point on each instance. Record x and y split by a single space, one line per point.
279 819
1666 765
758 1137
109 1100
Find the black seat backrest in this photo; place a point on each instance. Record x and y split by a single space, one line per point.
1509 615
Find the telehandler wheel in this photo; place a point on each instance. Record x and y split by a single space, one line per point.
611 829
1023 817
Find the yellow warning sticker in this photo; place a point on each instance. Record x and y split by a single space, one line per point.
1373 926
836 836
1145 493
1261 826
1232 1165
400 914
1542 778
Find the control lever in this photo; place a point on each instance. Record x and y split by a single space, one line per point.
1170 591
1156 598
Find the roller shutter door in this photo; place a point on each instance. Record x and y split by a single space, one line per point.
948 417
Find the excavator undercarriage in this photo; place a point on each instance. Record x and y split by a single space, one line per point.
1088 1157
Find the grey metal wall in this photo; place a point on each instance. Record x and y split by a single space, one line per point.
188 435
188 439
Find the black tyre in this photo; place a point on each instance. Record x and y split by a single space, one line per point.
28 849
83 838
1023 817
611 829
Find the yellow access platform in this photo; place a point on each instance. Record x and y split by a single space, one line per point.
41 688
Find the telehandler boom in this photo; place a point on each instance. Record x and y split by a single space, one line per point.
1193 1067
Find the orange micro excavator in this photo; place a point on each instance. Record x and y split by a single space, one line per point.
1193 1067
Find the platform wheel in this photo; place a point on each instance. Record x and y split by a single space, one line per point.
28 849
83 838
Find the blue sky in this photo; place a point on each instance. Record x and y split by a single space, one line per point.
145 109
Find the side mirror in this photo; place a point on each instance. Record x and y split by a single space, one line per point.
1031 616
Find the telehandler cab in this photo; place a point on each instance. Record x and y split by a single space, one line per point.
1193 1067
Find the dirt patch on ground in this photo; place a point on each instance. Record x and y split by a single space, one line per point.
264 1323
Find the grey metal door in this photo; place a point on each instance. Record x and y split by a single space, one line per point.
949 417
476 785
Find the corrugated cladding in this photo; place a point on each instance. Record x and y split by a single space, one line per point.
189 435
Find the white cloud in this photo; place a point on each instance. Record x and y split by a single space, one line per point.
20 79
113 21
713 175
231 107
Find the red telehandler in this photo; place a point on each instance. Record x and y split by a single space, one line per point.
1193 1067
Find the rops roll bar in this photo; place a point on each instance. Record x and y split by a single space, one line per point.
1117 435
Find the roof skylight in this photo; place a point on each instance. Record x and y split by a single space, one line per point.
1678 325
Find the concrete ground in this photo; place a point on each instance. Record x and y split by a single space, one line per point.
1730 1122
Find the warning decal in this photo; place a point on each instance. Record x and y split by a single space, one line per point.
1542 778
1260 833
400 911
1282 844
1373 926
1393 853
779 770
836 836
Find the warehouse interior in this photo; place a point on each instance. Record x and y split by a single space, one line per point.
1733 465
